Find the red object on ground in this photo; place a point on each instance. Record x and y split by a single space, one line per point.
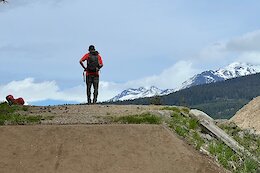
11 100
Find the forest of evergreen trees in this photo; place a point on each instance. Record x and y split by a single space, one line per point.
219 100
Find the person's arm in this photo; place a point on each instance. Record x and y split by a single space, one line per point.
82 60
81 63
100 62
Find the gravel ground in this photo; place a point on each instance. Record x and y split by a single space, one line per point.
91 114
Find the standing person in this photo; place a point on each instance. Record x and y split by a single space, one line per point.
94 64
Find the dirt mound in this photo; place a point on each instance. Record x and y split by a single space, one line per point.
98 148
248 117
88 114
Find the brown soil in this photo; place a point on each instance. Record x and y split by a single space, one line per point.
97 148
248 117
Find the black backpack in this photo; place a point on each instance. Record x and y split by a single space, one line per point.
93 64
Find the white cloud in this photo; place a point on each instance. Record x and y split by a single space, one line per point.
244 48
33 91
14 3
252 57
245 43
107 90
213 54
169 78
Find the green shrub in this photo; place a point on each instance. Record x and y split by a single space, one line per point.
250 141
197 140
186 110
171 108
181 124
2 121
231 128
181 131
193 123
224 154
139 119
250 166
19 119
6 109
9 115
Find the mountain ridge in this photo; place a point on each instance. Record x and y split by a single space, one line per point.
220 99
233 70
141 92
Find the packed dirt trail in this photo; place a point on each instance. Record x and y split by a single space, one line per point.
110 148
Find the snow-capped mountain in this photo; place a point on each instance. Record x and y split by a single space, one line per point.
141 92
233 70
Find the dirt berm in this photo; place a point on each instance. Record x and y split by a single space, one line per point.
110 148
248 117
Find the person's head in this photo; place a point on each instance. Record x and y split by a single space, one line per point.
91 48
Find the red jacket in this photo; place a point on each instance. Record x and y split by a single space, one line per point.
11 100
86 57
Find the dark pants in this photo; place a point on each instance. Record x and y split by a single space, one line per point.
92 80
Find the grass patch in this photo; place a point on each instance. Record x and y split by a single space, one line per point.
9 115
6 109
177 118
171 108
225 155
231 160
177 109
250 165
186 122
185 126
248 140
190 130
139 119
197 140
181 131
185 110
16 119
231 128
193 123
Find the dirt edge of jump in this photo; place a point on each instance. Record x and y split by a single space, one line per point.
98 148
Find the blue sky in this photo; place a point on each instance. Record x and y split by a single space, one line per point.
142 43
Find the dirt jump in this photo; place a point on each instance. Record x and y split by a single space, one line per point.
110 148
